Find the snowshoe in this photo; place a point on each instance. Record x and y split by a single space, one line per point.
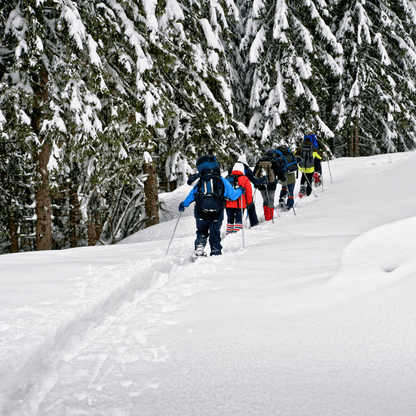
199 252
196 256
302 191
281 206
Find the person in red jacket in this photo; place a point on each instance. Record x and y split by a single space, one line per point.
233 208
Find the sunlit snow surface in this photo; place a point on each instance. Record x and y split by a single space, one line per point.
316 316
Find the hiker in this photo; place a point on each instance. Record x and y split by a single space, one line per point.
269 170
308 152
209 195
288 162
251 209
235 208
320 146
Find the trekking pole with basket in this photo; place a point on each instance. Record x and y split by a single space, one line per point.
329 168
242 223
177 222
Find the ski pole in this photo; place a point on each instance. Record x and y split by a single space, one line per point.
177 222
293 196
242 228
329 167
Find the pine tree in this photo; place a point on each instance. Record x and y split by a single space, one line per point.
294 56
196 79
376 96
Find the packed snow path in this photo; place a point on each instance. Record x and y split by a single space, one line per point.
315 317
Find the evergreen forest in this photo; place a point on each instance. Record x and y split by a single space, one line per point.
106 103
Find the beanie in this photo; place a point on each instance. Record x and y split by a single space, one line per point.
239 167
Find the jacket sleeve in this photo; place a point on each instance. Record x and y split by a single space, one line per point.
249 191
318 154
191 196
279 172
229 191
251 177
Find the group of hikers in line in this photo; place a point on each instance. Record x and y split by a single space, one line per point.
212 193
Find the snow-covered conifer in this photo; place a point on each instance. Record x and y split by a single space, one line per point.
377 93
294 57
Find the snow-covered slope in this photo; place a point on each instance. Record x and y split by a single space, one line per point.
315 316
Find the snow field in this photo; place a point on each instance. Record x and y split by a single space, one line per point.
316 316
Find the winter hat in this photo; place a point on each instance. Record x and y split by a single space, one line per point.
271 153
239 167
243 160
206 162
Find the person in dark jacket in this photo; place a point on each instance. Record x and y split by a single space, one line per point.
320 146
209 221
268 188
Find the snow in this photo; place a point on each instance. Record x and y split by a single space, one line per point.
315 316
211 37
75 25
257 46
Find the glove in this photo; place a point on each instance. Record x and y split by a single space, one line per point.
192 178
243 191
181 207
264 180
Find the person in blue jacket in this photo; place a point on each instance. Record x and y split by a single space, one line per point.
209 195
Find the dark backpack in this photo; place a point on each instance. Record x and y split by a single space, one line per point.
209 197
287 160
306 154
265 164
233 179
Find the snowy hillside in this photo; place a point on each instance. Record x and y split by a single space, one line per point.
315 317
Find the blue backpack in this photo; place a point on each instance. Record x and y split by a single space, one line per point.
286 159
312 139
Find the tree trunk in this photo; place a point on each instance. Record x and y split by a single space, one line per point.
353 146
94 229
41 159
356 150
14 236
92 236
73 209
43 201
150 191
